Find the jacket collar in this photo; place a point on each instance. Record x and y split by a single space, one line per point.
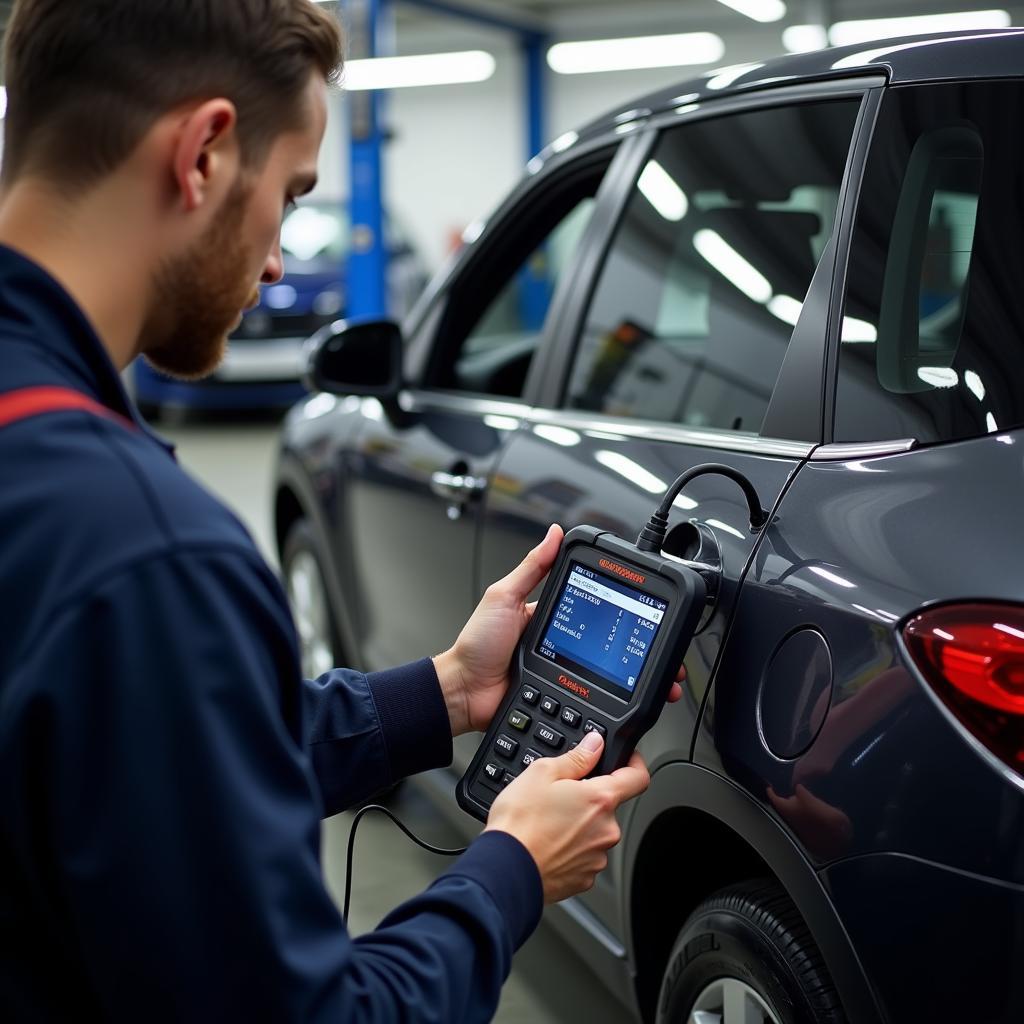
30 298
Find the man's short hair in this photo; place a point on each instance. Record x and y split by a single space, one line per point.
86 80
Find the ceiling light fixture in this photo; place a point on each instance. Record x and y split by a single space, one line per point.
759 10
804 38
669 51
843 33
418 71
662 191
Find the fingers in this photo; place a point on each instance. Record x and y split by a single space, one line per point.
534 567
681 674
578 762
675 693
631 780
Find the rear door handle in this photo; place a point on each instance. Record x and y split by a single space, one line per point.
456 487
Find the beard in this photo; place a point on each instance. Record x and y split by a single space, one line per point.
199 296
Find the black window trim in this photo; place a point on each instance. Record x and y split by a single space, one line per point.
799 376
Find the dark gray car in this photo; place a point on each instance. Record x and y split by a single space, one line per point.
812 272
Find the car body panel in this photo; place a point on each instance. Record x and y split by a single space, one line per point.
856 548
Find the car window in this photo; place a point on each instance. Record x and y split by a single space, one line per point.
496 311
706 276
933 332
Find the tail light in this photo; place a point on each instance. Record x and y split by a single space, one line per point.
972 655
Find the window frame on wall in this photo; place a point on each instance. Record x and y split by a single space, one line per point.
796 410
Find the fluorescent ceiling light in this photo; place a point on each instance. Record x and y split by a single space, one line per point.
632 471
974 384
786 308
3 101
855 330
759 10
939 376
804 38
424 69
660 189
843 33
637 52
732 266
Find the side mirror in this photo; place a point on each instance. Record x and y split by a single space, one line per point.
357 359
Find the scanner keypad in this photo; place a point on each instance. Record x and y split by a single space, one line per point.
537 737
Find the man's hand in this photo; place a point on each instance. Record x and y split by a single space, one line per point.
568 825
474 672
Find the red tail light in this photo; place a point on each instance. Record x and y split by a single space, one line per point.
973 657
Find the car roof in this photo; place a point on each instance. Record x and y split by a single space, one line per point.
935 57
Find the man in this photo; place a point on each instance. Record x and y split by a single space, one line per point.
163 768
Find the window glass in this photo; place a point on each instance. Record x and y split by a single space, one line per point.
496 311
933 332
496 354
709 268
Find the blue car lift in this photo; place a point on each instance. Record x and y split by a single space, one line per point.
367 265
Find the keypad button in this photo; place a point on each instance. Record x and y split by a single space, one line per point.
548 736
506 779
519 720
529 757
506 746
593 726
491 774
549 706
571 717
530 694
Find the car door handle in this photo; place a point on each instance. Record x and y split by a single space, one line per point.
456 486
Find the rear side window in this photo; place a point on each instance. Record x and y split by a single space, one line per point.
932 343
707 273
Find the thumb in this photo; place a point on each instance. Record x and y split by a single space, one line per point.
580 761
534 567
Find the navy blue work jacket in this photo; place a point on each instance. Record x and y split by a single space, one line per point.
163 766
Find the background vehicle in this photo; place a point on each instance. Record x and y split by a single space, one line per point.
265 362
809 271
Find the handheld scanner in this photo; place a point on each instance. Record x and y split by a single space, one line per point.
601 653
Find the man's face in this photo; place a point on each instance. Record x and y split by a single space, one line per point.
200 294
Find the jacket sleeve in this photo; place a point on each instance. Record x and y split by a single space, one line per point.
392 724
172 819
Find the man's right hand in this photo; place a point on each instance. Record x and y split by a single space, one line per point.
566 821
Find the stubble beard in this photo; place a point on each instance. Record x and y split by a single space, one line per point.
199 295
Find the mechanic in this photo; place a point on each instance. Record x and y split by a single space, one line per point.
163 767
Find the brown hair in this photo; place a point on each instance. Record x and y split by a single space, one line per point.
87 79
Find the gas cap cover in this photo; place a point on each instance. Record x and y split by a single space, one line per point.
795 694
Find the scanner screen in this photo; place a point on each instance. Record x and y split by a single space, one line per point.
602 629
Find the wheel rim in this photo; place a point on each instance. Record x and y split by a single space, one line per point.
308 599
731 1001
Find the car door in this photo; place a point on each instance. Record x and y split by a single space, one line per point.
700 341
422 465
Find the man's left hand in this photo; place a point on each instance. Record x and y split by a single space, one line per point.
474 673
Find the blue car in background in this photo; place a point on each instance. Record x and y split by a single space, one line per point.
264 363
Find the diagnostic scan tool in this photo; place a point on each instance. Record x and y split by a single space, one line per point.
600 653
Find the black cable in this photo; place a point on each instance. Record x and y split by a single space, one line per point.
404 828
652 536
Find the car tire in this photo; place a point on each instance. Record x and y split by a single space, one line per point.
301 569
745 955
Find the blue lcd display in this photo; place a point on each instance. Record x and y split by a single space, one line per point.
601 629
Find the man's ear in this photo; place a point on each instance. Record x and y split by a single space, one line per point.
205 152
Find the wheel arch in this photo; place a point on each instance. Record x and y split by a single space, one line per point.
294 499
694 832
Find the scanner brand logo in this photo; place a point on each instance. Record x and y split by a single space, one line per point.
571 684
621 570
